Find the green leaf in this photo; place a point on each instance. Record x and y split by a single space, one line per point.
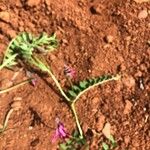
76 133
76 89
105 146
63 146
112 140
91 81
25 47
83 84
16 43
68 141
72 93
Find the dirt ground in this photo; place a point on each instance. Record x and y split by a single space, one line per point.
96 37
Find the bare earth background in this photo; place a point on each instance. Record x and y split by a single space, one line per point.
96 37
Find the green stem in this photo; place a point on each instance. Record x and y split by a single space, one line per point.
5 62
43 67
77 120
14 86
58 85
6 120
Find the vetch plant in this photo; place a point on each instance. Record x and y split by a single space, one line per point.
27 48
60 131
33 80
9 57
74 142
70 73
112 144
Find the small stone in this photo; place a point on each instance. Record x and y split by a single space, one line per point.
35 142
108 39
100 122
106 130
127 139
97 9
11 33
5 16
143 14
141 1
85 127
138 74
129 81
17 98
64 42
32 3
128 107
30 127
95 101
16 105
21 29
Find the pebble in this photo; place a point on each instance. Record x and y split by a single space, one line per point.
16 105
5 16
85 127
128 107
108 38
64 42
11 33
32 3
127 139
129 81
141 1
106 130
143 14
95 101
100 122
97 9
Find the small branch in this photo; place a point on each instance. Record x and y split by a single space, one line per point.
5 63
43 67
6 120
14 86
117 77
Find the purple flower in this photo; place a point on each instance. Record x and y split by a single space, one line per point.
69 72
60 131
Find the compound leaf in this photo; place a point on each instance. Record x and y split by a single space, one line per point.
83 86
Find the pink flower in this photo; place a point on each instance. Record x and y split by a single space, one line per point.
69 72
33 81
60 131
30 75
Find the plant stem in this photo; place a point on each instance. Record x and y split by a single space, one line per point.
58 85
14 86
77 120
44 68
4 63
6 120
117 77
